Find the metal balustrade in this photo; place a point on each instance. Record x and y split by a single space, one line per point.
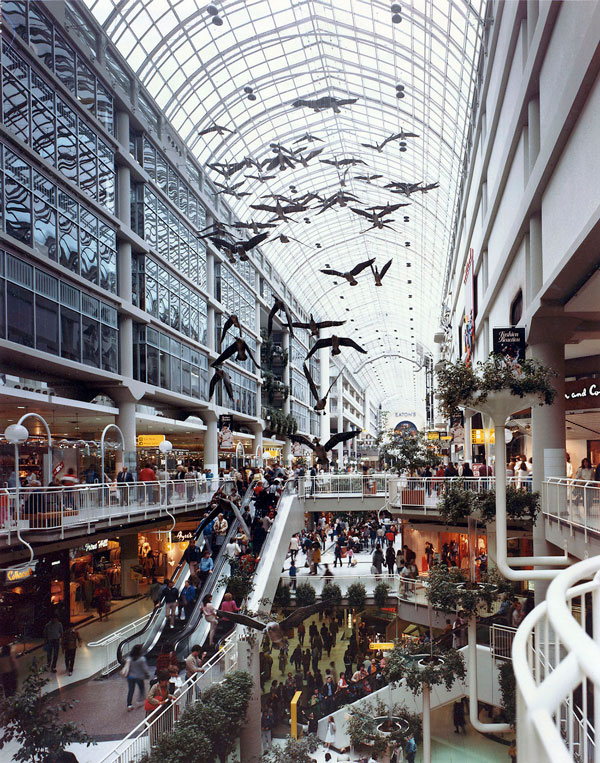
111 642
408 590
501 640
59 509
146 734
327 485
575 502
556 658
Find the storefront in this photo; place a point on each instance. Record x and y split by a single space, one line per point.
93 568
452 546
156 555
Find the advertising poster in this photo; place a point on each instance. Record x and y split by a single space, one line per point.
509 342
226 433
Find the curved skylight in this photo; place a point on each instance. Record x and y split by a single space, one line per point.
286 50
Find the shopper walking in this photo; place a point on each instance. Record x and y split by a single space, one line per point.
458 716
171 596
410 749
210 614
53 631
135 671
70 641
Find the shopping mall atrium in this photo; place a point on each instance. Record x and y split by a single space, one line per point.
300 381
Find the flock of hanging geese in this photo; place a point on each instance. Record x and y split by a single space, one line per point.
281 207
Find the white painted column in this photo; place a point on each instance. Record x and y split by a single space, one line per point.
426 723
286 344
211 446
340 419
250 736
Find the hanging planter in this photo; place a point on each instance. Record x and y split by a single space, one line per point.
391 725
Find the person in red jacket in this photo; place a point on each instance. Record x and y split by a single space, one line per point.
148 475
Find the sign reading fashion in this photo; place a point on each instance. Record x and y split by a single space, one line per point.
509 342
226 432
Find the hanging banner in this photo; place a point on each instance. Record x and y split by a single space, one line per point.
509 342
469 322
225 433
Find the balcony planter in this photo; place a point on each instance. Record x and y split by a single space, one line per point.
450 591
391 725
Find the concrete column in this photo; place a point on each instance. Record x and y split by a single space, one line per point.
468 449
533 11
250 737
426 723
211 339
126 422
257 431
324 428
549 444
124 195
340 418
210 272
129 558
533 131
211 446
122 129
536 269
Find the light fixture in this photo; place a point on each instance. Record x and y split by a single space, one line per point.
16 434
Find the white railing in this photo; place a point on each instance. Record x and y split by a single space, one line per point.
501 640
162 721
62 508
425 492
329 485
408 589
576 502
557 667
111 642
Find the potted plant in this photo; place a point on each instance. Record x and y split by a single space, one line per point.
377 727
508 690
282 596
381 594
456 503
459 384
433 669
520 504
357 596
305 595
450 590
332 592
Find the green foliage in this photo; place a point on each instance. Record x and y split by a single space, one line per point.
460 385
412 720
278 422
381 594
282 595
508 690
273 386
305 594
458 502
449 590
357 596
207 730
239 585
293 751
362 722
409 452
448 666
32 719
332 591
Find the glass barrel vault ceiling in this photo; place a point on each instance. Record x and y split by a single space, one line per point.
290 49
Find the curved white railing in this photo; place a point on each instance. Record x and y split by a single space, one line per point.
110 642
574 502
557 667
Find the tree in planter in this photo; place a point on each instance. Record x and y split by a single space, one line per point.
305 595
458 503
461 385
440 666
381 594
409 452
357 596
362 723
32 719
211 725
293 751
449 590
282 596
508 690
332 591
239 585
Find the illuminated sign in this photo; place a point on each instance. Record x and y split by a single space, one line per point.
446 436
433 435
149 440
97 545
384 646
13 576
478 436
181 537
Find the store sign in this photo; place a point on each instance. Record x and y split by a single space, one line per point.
13 576
447 437
103 543
58 468
433 435
181 537
384 646
582 394
478 436
509 342
149 440
403 428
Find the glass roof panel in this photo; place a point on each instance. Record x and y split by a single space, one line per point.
291 49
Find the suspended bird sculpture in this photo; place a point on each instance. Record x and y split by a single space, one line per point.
335 342
337 163
397 136
307 138
281 161
350 275
240 349
321 451
239 247
430 187
281 212
254 226
321 402
233 320
220 375
232 190
377 219
260 177
278 306
340 198
315 327
215 128
378 274
387 209
228 170
304 160
276 630
327 102
368 178
405 188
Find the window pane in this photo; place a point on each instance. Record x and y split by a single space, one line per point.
186 379
19 315
44 227
108 269
42 131
67 152
2 313
46 325
15 106
152 365
86 86
64 62
17 211
89 256
105 108
165 374
175 374
15 16
109 349
69 244
90 334
69 334
106 187
40 36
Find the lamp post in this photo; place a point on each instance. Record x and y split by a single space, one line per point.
104 431
17 434
165 448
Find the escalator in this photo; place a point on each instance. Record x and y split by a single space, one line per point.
151 634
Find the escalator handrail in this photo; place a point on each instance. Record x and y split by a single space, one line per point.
154 615
208 587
